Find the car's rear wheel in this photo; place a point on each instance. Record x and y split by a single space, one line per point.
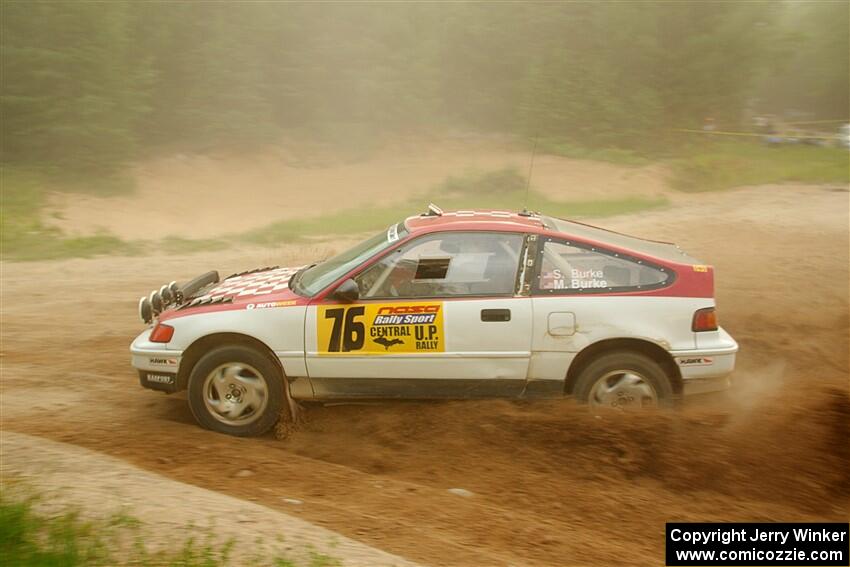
236 390
623 381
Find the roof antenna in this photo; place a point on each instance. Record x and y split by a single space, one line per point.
525 212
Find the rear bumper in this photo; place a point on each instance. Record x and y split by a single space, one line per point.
707 369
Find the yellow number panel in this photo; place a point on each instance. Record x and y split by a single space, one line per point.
376 329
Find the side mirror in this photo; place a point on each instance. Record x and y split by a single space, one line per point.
348 291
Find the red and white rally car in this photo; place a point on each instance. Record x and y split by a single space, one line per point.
455 305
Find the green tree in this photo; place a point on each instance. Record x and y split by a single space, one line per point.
90 85
812 71
73 91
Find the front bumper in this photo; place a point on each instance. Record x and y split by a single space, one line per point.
158 367
707 369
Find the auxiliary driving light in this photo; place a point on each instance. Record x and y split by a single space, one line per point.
145 310
166 295
175 291
156 302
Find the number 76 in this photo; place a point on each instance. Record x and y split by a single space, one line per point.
351 333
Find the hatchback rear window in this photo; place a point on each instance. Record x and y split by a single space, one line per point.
570 268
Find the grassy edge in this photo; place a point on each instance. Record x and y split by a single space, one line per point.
719 165
32 538
618 156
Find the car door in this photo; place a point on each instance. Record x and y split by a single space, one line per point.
441 315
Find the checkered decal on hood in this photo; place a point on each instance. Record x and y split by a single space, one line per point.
249 285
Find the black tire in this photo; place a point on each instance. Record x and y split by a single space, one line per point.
609 365
261 411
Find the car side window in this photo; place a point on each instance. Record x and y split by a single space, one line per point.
446 264
569 268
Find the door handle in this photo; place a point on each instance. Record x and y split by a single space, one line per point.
500 315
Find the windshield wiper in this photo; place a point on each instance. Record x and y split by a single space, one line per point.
293 281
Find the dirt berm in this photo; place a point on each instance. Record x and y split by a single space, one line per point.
69 478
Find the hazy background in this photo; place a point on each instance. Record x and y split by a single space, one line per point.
93 85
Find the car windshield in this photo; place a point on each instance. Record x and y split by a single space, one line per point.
315 278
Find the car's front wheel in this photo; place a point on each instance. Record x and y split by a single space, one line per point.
236 390
623 381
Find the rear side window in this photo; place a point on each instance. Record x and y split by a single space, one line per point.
572 268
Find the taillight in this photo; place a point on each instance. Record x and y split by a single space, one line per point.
161 333
704 320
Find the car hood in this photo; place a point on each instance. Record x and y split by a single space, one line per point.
249 286
260 288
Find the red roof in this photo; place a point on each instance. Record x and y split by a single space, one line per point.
509 221
476 220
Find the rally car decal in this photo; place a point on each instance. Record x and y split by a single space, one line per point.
271 304
695 361
379 329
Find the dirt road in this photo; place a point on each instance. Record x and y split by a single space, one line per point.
551 485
